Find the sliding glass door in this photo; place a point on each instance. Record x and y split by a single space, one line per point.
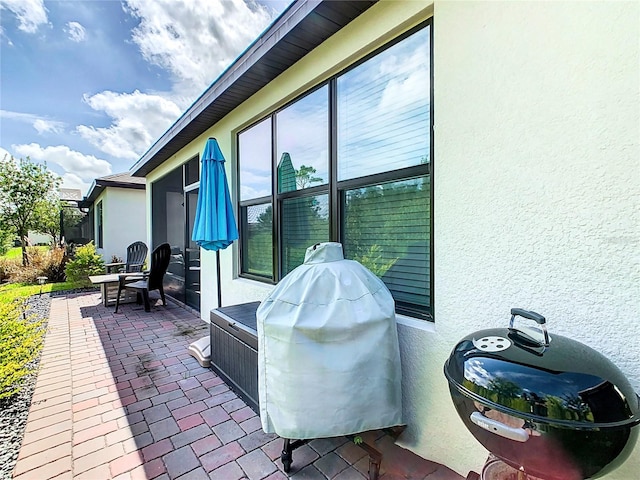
173 205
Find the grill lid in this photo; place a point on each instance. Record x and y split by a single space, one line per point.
526 373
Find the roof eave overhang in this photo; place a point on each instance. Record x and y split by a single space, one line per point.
99 185
300 29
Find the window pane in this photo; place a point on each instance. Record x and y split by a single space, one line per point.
303 142
386 228
383 110
192 171
257 240
305 222
99 222
254 159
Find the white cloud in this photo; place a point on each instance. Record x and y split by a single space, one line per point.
138 119
48 126
71 180
85 167
76 32
40 124
29 13
4 154
195 40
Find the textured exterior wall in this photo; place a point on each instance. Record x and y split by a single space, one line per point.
536 185
125 220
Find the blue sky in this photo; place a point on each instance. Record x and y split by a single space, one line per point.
87 86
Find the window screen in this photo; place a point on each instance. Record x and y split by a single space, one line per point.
387 229
257 240
305 222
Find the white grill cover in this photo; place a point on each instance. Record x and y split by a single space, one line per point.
328 356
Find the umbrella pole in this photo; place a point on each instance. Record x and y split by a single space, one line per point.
218 278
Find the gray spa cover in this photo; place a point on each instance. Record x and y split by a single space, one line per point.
328 356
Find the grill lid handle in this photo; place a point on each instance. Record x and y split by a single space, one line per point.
499 428
531 315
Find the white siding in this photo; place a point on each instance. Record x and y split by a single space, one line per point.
124 220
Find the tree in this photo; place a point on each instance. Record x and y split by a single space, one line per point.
304 176
24 186
6 236
48 219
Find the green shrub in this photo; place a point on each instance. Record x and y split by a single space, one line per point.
374 260
85 262
20 343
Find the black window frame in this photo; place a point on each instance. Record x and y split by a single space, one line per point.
335 188
100 224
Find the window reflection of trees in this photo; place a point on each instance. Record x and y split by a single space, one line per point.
509 394
370 125
386 228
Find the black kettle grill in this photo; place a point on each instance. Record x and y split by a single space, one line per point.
546 405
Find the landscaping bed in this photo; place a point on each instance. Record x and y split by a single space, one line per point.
15 409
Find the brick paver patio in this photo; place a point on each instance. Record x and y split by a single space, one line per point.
119 397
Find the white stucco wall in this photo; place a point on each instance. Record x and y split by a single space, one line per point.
537 188
124 220
536 184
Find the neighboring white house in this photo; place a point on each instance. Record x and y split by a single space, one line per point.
513 126
36 238
117 204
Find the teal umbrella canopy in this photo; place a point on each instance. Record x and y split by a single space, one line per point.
215 226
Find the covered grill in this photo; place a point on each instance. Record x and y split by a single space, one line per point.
548 406
328 354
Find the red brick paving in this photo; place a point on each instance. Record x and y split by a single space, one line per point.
119 397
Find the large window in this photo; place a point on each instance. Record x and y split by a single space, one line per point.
349 161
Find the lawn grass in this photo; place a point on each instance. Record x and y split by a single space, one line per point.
12 291
15 253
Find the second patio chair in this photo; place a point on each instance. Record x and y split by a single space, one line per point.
136 255
144 282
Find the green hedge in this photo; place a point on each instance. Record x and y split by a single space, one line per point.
20 343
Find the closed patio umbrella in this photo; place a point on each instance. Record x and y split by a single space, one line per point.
214 227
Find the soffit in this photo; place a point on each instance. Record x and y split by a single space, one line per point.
301 28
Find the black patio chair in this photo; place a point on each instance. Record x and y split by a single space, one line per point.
136 255
144 282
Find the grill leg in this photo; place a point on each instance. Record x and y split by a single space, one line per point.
287 452
286 455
